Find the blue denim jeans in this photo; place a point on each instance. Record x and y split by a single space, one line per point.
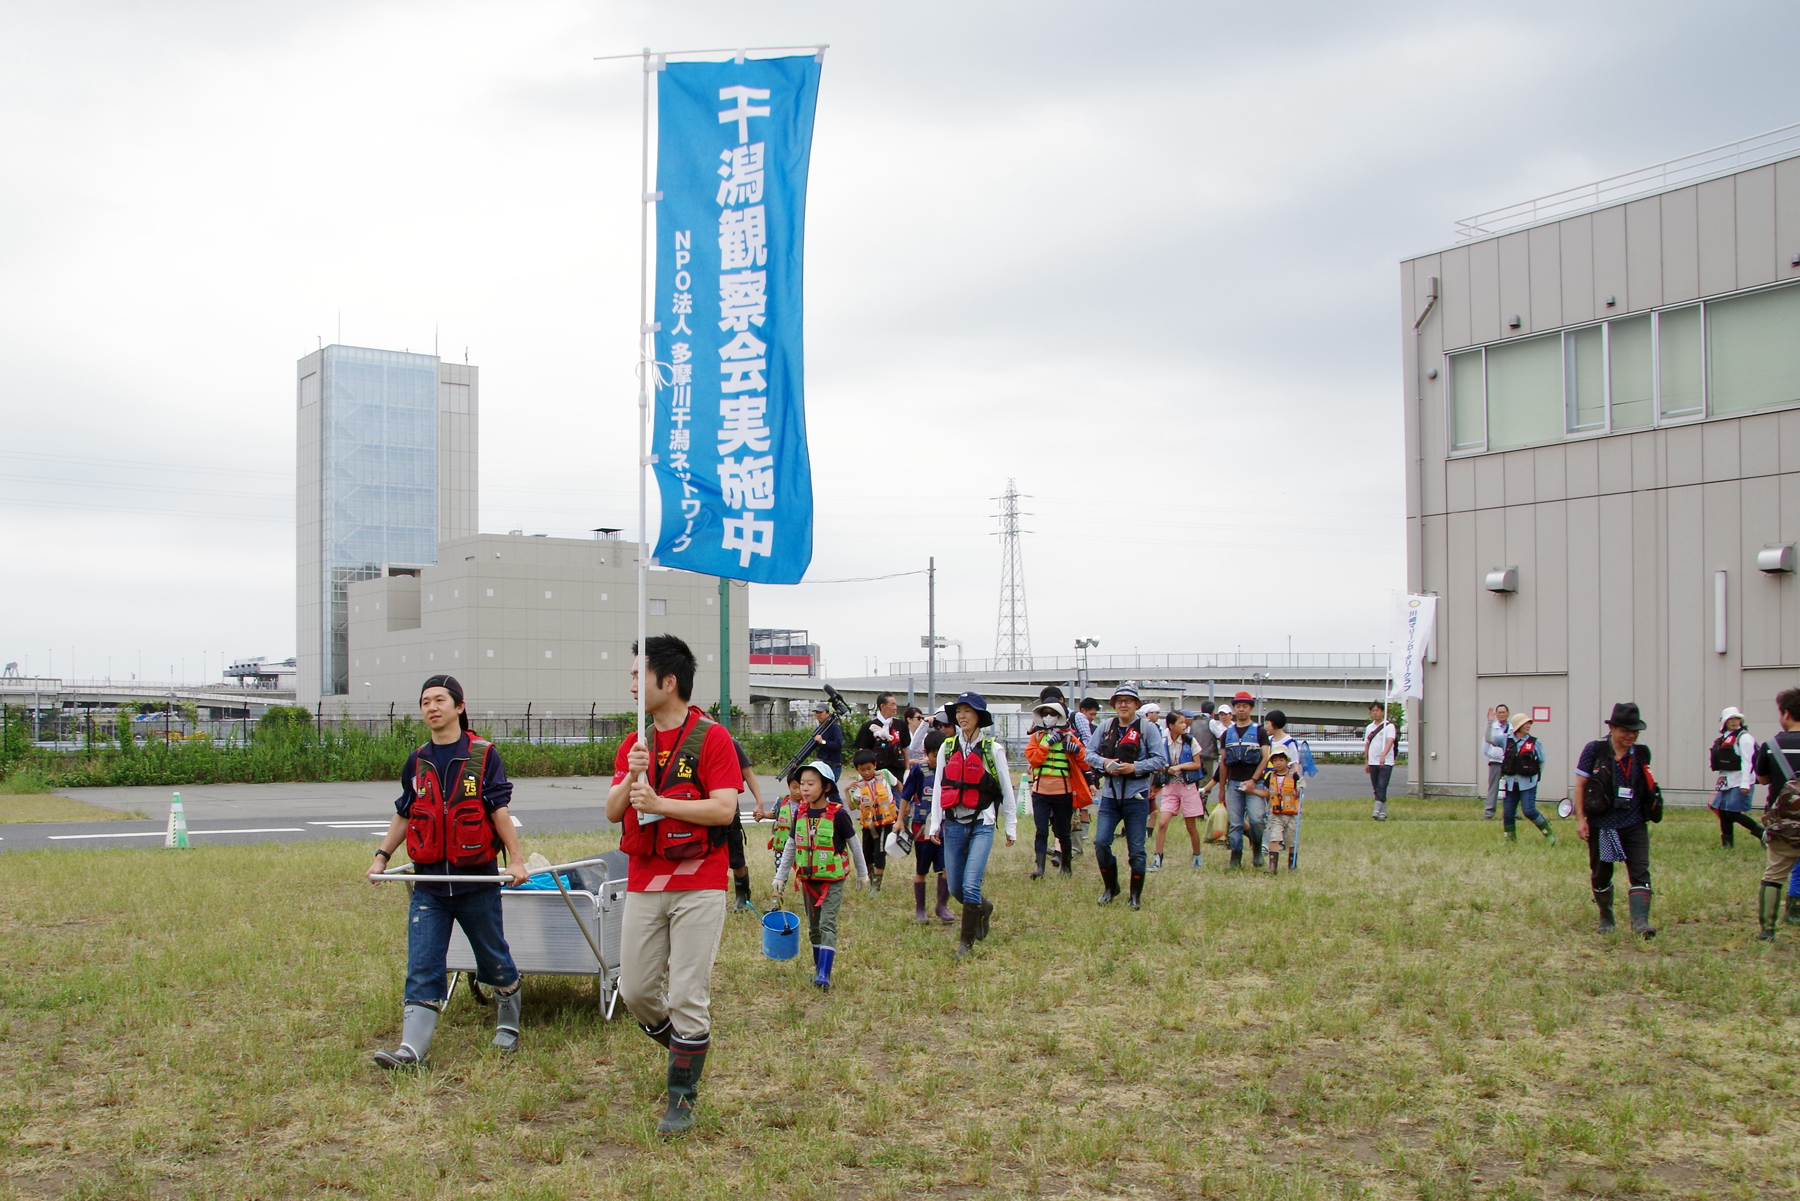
967 846
428 943
1133 812
1515 799
1244 808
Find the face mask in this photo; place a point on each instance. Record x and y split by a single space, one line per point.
1051 721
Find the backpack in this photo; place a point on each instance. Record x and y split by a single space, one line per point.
1781 818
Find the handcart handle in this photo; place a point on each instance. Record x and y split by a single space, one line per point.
403 872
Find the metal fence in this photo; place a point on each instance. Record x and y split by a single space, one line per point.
74 730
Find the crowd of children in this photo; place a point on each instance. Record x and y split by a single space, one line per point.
957 794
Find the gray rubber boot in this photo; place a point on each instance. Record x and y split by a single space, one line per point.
506 1017
416 1029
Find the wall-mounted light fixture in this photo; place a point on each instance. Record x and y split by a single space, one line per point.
1515 323
1776 557
1502 579
1721 628
1431 374
1611 301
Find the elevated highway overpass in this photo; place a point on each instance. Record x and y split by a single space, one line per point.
1315 689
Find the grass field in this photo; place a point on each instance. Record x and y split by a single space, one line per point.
47 807
1422 1012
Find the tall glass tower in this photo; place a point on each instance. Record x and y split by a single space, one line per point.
387 470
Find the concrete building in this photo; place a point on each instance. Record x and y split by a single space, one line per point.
1603 449
517 620
387 451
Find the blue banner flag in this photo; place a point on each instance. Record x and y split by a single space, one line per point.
733 140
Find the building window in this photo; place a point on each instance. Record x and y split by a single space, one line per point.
546 595
1753 351
490 592
1524 392
1584 378
546 654
490 654
1680 382
1631 373
1740 354
1468 402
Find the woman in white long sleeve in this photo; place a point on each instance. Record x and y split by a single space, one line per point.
973 782
1733 762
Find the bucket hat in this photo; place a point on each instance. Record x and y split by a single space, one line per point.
975 701
1052 707
1730 712
1243 698
1126 689
1625 716
1521 718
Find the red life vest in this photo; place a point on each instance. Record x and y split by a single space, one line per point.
458 831
969 779
671 838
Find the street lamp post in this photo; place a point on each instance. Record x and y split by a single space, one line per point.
1082 645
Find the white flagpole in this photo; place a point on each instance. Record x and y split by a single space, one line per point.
646 365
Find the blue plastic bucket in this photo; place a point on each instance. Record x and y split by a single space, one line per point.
781 934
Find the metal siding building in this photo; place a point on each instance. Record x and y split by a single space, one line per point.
1610 403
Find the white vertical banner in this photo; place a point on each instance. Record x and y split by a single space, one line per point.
1415 620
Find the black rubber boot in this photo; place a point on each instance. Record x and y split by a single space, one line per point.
919 914
875 881
1136 900
1639 900
971 924
660 1035
743 904
1256 855
1768 908
1603 897
987 917
687 1059
1039 873
1237 862
1109 882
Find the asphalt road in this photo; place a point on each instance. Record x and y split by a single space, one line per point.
245 813
223 814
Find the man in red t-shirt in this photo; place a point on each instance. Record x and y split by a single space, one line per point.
674 817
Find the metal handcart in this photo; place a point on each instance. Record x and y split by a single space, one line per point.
556 932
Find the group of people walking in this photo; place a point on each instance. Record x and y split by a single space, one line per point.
940 788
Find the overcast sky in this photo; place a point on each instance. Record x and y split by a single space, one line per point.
1141 257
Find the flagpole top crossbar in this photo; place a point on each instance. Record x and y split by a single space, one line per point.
737 52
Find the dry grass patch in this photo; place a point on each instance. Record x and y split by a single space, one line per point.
1423 1012
47 807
